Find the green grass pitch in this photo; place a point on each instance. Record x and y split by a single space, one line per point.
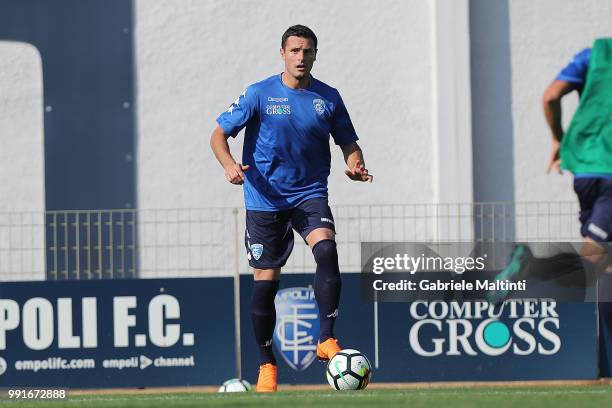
554 397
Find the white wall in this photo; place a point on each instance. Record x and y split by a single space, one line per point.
392 60
195 57
517 49
544 36
21 128
22 196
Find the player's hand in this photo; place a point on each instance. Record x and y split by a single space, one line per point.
359 172
555 161
234 173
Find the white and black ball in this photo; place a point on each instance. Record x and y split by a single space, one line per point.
349 370
235 385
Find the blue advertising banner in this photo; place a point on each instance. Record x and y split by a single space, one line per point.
522 339
117 333
168 332
297 327
605 326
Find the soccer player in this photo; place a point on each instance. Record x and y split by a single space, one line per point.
285 164
586 151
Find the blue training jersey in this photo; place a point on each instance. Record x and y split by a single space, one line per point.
576 71
287 140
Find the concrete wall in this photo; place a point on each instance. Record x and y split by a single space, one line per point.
22 194
410 72
544 37
195 57
518 47
21 128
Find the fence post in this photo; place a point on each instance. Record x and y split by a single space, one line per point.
237 293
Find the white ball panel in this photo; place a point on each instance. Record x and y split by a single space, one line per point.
359 365
338 364
348 382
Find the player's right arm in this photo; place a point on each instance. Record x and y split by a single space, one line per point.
553 114
234 172
229 123
571 78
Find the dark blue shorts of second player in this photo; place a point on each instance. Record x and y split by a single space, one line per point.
269 234
595 196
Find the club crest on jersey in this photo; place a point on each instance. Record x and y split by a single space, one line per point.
297 326
257 250
319 106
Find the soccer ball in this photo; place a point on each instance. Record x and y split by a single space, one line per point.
349 370
235 385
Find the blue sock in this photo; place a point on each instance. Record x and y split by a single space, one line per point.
263 316
327 286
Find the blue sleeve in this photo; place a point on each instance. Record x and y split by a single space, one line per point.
342 129
239 113
575 72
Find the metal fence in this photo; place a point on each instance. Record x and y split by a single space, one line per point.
59 245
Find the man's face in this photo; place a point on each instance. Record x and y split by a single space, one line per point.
299 56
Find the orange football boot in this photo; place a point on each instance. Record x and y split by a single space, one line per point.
266 382
328 349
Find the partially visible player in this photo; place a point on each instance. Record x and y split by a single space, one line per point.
586 151
286 161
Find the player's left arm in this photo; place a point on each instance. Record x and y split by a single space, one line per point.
344 136
353 156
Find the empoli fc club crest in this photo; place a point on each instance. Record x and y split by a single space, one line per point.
257 250
297 326
319 106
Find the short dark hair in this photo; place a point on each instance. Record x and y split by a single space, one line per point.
299 31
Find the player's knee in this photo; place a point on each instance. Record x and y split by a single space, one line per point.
594 252
325 252
270 274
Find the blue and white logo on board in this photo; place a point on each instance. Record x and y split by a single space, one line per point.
3 365
257 250
297 326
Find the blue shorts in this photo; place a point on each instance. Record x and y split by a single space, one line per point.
269 237
595 196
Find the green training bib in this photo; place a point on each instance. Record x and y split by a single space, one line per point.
586 147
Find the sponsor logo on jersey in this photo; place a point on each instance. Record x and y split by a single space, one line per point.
257 250
271 99
278 109
328 220
319 106
236 103
597 231
297 326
